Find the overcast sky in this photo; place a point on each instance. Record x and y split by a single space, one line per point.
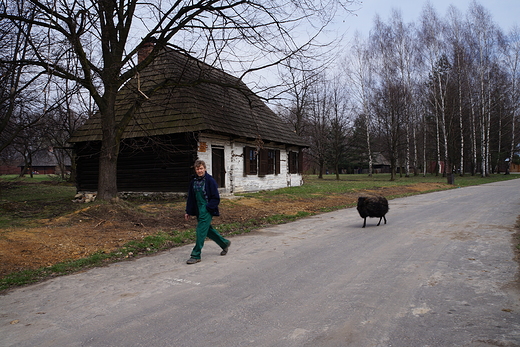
505 13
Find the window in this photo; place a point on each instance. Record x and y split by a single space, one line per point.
271 160
250 166
262 162
295 162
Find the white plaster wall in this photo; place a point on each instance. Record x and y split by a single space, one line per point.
236 182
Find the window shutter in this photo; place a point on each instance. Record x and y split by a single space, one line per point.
277 162
262 159
247 162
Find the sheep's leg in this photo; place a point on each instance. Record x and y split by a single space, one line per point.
365 222
385 219
380 221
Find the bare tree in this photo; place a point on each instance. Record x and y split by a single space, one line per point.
431 36
18 84
359 73
389 111
456 38
318 120
102 37
484 34
338 120
299 78
391 101
29 142
405 48
512 64
63 122
471 110
438 94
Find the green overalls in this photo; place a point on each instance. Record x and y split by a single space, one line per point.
204 228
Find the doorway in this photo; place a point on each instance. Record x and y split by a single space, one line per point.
218 167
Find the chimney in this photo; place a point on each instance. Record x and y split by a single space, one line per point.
146 49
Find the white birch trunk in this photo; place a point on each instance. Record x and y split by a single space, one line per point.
461 129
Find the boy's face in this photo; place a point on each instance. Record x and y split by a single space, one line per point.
200 170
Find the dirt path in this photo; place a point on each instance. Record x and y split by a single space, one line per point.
108 227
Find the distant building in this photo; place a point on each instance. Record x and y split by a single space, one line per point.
46 162
379 163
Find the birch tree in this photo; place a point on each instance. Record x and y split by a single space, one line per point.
456 34
393 58
484 34
406 63
512 64
431 32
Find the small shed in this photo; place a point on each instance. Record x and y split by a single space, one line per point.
197 111
380 163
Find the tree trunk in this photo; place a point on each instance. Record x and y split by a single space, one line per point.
461 126
512 149
393 163
415 158
107 185
425 164
110 144
407 156
488 129
369 149
514 101
499 150
473 139
321 164
438 144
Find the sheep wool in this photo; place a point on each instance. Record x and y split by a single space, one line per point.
372 206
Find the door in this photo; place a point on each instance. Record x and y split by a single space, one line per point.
218 168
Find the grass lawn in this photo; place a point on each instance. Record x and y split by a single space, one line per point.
349 183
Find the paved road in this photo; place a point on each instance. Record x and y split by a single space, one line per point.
440 273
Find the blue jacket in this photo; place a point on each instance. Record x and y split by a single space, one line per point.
211 194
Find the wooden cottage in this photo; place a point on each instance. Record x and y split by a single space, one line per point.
200 112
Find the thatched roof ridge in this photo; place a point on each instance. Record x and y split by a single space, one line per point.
195 98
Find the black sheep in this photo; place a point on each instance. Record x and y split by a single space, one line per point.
372 206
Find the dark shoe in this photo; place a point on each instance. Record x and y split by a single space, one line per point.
193 261
225 250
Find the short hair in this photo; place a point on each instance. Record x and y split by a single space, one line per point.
199 163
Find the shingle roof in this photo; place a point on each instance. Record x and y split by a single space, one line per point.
197 98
